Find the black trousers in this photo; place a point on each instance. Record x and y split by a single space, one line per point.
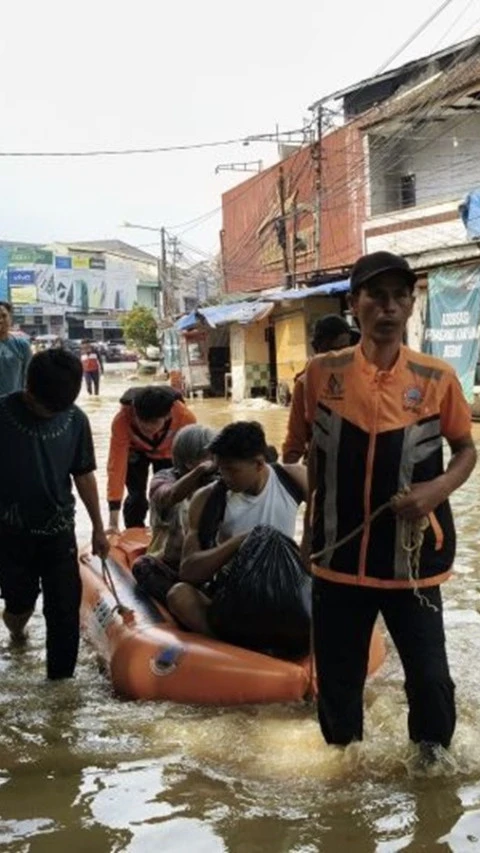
136 504
27 562
343 619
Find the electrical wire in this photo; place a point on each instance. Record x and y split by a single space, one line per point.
414 36
158 149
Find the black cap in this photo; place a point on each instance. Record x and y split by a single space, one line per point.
369 266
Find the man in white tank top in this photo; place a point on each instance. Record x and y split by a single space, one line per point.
251 492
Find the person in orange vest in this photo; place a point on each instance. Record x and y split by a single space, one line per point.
142 436
92 367
332 332
378 413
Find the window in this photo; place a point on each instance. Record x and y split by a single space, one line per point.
408 191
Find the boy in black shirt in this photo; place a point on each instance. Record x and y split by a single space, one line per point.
45 440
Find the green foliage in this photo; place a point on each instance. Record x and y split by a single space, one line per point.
140 328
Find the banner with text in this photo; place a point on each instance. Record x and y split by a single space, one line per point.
452 325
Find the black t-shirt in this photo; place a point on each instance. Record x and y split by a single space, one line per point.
38 457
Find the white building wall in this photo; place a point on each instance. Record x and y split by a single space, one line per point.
444 157
410 237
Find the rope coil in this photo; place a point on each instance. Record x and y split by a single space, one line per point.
412 536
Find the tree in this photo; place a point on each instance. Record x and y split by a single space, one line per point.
140 328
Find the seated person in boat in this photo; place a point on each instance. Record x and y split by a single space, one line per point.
251 492
45 442
142 436
170 492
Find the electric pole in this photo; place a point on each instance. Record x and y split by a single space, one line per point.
317 158
162 275
294 240
281 227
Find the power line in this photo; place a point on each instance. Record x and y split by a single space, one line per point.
159 149
414 36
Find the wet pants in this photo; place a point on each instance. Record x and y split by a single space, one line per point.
343 618
92 381
27 562
136 504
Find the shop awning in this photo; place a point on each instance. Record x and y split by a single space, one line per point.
331 288
220 315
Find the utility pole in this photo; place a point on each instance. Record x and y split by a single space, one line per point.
294 240
317 158
163 273
282 227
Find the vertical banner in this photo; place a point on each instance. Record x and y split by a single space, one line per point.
452 323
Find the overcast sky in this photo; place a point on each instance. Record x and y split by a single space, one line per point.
105 74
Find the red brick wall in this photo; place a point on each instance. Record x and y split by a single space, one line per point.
251 254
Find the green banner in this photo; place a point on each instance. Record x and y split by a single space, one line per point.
452 324
30 256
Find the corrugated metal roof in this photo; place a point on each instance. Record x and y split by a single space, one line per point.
331 288
221 315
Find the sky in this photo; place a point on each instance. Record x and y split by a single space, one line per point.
101 74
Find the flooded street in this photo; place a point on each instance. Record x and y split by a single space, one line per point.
81 770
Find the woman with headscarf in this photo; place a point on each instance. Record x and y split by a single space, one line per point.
169 495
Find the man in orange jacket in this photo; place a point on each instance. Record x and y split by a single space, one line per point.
142 434
379 491
332 332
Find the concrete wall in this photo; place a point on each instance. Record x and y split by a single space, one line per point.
252 257
443 156
249 359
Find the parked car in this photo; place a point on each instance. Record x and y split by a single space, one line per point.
118 352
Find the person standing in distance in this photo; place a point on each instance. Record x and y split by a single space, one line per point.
15 354
378 413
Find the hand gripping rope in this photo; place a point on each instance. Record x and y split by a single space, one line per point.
412 536
125 612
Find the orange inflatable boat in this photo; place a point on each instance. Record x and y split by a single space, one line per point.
150 657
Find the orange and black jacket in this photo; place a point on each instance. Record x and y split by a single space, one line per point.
126 437
373 433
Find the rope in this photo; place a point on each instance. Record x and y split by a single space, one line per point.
412 536
125 612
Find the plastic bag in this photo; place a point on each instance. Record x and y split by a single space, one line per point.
262 599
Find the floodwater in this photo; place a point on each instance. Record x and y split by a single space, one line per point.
82 770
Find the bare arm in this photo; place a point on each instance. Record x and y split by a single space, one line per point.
425 497
86 485
26 361
299 474
183 488
199 566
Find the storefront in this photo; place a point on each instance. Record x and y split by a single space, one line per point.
94 327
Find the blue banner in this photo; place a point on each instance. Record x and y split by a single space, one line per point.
453 316
62 262
4 275
19 277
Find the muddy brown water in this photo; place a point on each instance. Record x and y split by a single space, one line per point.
82 770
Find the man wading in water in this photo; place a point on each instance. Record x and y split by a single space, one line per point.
378 412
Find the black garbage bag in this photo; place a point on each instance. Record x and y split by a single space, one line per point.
262 599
